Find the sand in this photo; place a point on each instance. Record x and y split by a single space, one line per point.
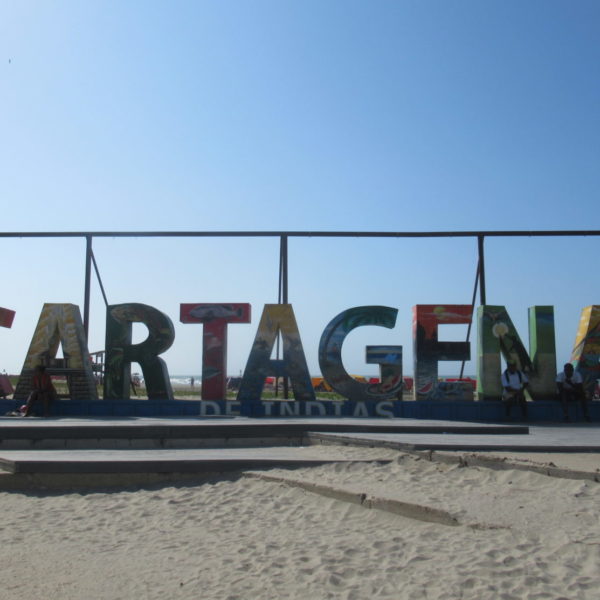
510 534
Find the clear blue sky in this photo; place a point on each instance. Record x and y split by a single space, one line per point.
312 115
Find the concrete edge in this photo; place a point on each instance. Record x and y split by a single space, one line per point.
398 507
42 430
87 467
7 466
41 483
464 460
502 464
312 437
76 443
453 447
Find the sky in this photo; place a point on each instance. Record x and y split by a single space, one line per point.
273 115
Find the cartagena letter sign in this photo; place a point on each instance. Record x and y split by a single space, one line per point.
496 337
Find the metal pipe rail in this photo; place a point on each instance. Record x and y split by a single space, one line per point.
284 237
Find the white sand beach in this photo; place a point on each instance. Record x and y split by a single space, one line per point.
511 534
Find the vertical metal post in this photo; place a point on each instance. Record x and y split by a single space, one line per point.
279 288
279 284
481 270
284 269
88 281
473 299
283 272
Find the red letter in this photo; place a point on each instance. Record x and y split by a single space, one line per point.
214 341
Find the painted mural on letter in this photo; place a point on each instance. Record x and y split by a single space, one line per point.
215 318
120 352
60 325
276 319
388 357
428 350
497 337
586 352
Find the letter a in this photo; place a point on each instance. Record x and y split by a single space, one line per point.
276 318
60 324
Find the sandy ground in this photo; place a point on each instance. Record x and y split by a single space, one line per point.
512 534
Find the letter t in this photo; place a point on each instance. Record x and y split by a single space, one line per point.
215 318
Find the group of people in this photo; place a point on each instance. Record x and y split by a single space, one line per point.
569 388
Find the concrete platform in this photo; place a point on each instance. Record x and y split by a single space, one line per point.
157 433
540 438
215 460
194 446
162 445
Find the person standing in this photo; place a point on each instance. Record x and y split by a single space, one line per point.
569 385
514 383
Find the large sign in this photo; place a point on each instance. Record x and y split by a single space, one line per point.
496 338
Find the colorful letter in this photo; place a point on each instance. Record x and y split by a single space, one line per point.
215 318
497 337
427 350
120 352
586 353
60 324
389 357
276 318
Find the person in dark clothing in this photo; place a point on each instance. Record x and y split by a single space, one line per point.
43 391
569 386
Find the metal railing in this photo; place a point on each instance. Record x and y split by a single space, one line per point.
283 247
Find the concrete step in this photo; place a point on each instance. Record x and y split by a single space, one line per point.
155 434
157 461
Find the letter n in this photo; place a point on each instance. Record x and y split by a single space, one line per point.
497 336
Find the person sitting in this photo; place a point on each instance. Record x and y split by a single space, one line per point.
514 383
569 385
43 391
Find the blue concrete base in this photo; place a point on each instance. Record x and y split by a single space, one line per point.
450 411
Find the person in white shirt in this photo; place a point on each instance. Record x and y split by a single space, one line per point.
569 385
514 383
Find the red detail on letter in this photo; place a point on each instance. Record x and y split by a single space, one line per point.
6 317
